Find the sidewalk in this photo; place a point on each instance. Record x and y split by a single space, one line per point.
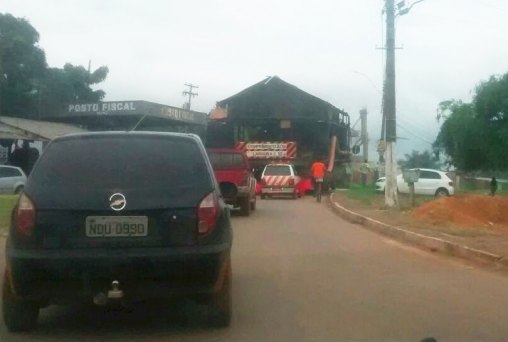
488 248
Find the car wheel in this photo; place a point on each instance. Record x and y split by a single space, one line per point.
220 306
253 204
245 206
263 196
18 314
19 189
441 192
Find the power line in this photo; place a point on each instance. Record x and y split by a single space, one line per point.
414 135
413 126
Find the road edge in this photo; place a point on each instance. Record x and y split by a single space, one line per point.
428 243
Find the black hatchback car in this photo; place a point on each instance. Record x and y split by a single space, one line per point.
117 216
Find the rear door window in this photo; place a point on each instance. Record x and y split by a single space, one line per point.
277 170
429 175
226 160
134 162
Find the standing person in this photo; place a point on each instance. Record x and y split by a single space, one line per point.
493 186
364 170
317 171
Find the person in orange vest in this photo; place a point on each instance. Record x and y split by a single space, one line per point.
318 171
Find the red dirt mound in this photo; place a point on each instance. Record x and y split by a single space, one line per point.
466 210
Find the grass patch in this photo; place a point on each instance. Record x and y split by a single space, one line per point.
364 194
405 202
460 231
7 202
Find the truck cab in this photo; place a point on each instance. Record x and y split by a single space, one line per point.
236 180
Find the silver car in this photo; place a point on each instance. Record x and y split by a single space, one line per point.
12 179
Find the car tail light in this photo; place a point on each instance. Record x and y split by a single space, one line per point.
245 178
25 216
291 182
208 212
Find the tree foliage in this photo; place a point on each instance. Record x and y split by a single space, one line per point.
70 84
22 62
418 159
28 87
475 135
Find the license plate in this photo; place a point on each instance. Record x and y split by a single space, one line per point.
116 226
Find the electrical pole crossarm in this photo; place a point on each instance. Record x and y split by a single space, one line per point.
190 94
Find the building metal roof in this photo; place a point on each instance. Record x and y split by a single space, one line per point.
18 128
126 115
273 98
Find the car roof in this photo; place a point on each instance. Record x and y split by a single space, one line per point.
279 164
423 169
86 135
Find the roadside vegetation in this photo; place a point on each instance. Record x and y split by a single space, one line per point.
7 202
368 196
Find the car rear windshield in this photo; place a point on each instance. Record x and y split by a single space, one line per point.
278 170
226 160
132 162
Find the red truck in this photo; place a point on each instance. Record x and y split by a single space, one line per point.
234 175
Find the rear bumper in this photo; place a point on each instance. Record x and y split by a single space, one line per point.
66 276
242 193
274 191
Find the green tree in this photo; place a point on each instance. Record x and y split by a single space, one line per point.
69 85
475 135
22 63
28 88
418 159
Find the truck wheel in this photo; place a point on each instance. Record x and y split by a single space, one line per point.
220 306
18 314
245 206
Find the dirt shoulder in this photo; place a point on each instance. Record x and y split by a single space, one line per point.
465 219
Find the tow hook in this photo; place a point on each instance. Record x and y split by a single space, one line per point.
115 292
101 299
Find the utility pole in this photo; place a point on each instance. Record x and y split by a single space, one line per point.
389 109
190 94
365 136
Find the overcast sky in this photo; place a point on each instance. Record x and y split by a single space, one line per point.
326 47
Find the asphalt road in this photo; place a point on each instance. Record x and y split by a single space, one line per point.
303 274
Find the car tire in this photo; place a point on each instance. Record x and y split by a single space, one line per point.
220 307
245 206
442 192
253 204
18 314
19 189
263 196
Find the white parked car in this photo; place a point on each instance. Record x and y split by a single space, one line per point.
12 179
431 182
